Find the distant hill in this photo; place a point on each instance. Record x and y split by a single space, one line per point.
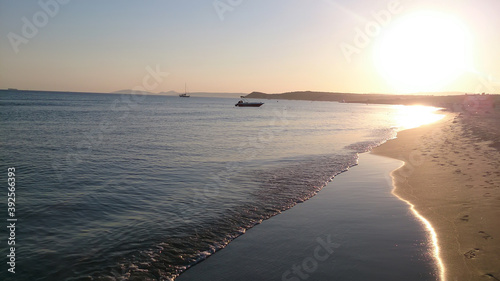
129 92
303 95
169 93
217 95
193 94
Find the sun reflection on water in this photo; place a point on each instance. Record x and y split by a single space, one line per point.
409 117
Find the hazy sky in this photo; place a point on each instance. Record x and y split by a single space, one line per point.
242 46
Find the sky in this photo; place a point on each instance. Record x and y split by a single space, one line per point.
240 46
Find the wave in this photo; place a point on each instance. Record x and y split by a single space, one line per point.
277 190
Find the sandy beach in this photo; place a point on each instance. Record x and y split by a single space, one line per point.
452 177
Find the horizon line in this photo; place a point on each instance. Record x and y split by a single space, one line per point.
164 93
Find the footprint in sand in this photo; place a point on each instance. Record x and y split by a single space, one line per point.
485 235
472 253
465 218
492 276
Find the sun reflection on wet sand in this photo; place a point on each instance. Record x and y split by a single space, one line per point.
435 251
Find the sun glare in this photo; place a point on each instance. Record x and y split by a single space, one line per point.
423 52
409 117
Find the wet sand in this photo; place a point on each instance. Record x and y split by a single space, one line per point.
353 229
452 176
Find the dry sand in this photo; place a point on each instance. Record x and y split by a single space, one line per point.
452 176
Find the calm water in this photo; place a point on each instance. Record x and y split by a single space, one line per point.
111 187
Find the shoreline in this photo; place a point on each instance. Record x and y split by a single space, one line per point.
439 180
451 178
371 233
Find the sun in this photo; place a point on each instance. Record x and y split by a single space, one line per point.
423 52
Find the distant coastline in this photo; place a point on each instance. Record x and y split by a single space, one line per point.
132 92
454 101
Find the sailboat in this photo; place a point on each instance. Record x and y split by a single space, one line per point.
185 95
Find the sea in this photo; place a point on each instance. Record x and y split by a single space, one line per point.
142 187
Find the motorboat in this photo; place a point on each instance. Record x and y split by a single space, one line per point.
244 103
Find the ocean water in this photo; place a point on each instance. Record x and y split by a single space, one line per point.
114 187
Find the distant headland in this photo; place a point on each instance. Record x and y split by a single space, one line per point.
453 101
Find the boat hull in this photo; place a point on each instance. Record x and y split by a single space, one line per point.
252 104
